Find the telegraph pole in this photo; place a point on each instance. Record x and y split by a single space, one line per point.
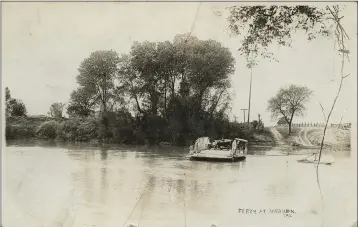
244 114
248 114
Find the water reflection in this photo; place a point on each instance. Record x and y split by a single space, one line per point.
104 154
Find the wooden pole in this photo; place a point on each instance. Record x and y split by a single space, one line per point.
244 114
248 115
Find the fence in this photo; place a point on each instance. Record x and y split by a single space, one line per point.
318 125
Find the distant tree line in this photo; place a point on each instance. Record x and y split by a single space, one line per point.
316 124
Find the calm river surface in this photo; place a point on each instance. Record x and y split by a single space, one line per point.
81 186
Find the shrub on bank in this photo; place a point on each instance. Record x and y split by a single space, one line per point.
87 130
20 131
67 130
48 130
128 130
123 134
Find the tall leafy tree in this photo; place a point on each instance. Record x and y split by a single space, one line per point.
99 88
145 61
97 75
205 65
131 81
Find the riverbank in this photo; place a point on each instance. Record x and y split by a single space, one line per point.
310 137
90 130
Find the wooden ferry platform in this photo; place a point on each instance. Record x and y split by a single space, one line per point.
219 151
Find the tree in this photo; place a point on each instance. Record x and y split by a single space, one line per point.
131 81
14 107
289 102
96 75
81 102
153 64
264 25
56 110
99 87
206 67
18 108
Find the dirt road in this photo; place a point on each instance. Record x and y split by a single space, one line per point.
302 137
279 140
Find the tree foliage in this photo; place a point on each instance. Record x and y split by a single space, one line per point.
172 88
99 88
289 102
97 75
264 25
190 69
14 107
81 102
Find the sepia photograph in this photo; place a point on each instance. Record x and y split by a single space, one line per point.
179 114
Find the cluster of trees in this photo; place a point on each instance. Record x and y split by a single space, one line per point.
160 91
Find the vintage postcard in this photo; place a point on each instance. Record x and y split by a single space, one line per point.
179 114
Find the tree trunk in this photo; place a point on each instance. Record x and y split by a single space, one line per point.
173 87
290 122
165 100
137 102
154 102
105 120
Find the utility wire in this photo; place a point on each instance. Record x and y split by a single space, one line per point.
137 202
194 21
184 201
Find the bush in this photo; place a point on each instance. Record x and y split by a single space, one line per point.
68 129
20 131
48 130
255 124
88 130
139 136
124 134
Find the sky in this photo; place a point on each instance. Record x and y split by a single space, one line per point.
43 45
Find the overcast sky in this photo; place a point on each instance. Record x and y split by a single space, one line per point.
44 43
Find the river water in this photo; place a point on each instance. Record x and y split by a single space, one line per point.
82 186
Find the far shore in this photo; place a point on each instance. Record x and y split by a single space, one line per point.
24 130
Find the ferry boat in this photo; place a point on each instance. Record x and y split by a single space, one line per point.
224 150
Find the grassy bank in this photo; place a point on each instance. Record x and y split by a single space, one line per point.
336 139
91 130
